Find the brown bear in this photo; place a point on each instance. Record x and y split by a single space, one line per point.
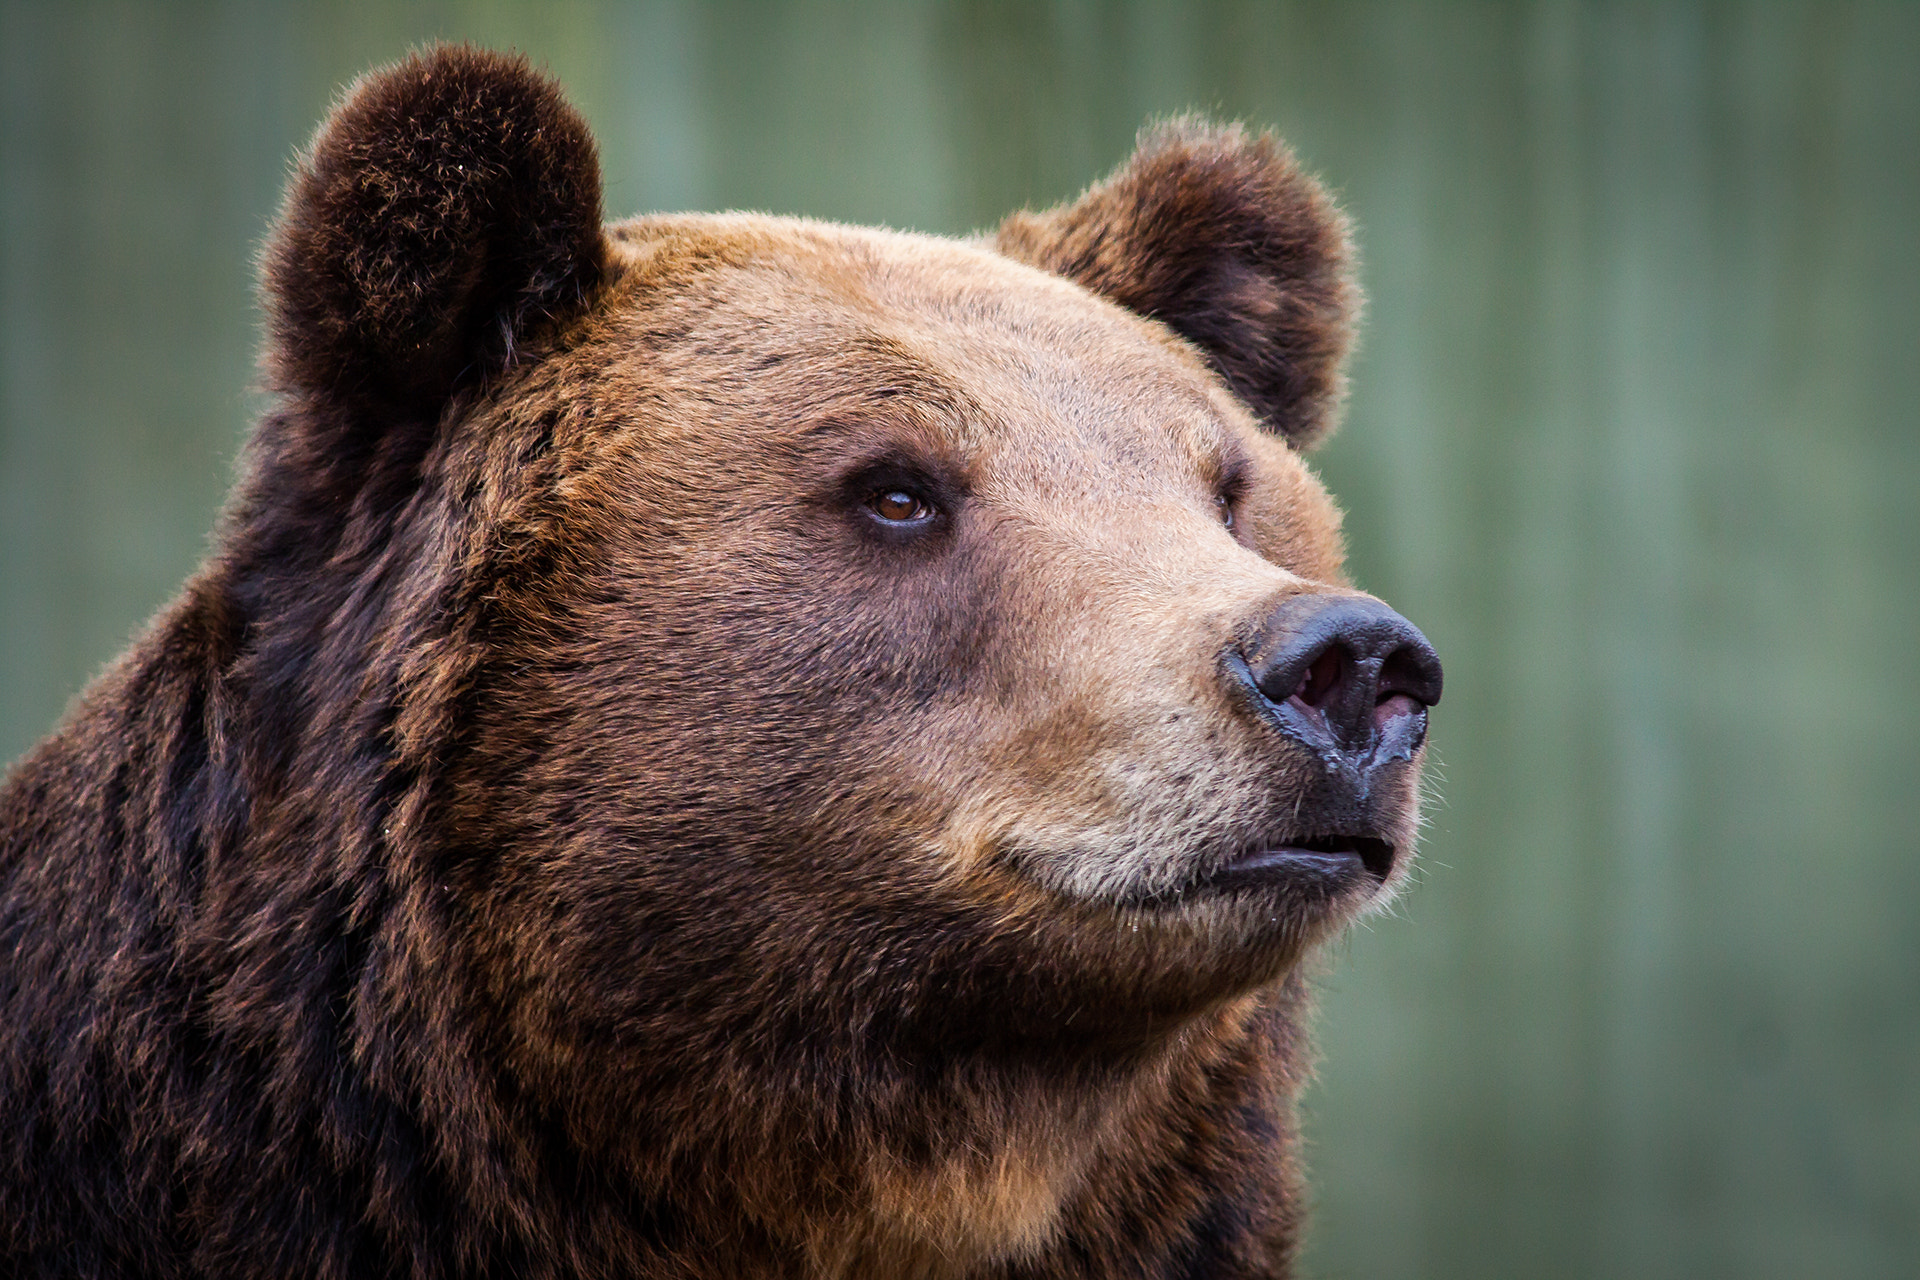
720 746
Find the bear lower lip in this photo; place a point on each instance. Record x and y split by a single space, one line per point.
1328 862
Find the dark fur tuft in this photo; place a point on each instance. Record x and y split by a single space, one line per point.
1221 236
450 203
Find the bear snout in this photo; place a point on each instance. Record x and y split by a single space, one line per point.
1345 676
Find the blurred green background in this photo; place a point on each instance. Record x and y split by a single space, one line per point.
1633 437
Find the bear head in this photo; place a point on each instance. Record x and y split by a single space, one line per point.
811 677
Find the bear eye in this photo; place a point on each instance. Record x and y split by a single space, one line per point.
900 506
1224 501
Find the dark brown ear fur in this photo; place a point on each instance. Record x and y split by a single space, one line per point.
451 202
1220 235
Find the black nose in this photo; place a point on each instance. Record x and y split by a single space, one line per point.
1351 662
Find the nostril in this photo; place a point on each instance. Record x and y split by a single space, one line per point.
1410 673
1320 678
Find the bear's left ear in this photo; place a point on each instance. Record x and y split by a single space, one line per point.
450 204
1222 237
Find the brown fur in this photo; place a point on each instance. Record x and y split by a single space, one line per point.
562 832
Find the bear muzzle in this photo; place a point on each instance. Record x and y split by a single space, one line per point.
1350 681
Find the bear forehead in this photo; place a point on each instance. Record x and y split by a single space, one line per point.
839 325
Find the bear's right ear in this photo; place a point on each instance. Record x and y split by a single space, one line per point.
1220 235
450 204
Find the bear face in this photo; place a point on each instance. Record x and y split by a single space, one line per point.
1020 668
733 745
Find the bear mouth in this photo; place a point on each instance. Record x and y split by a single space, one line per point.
1335 862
